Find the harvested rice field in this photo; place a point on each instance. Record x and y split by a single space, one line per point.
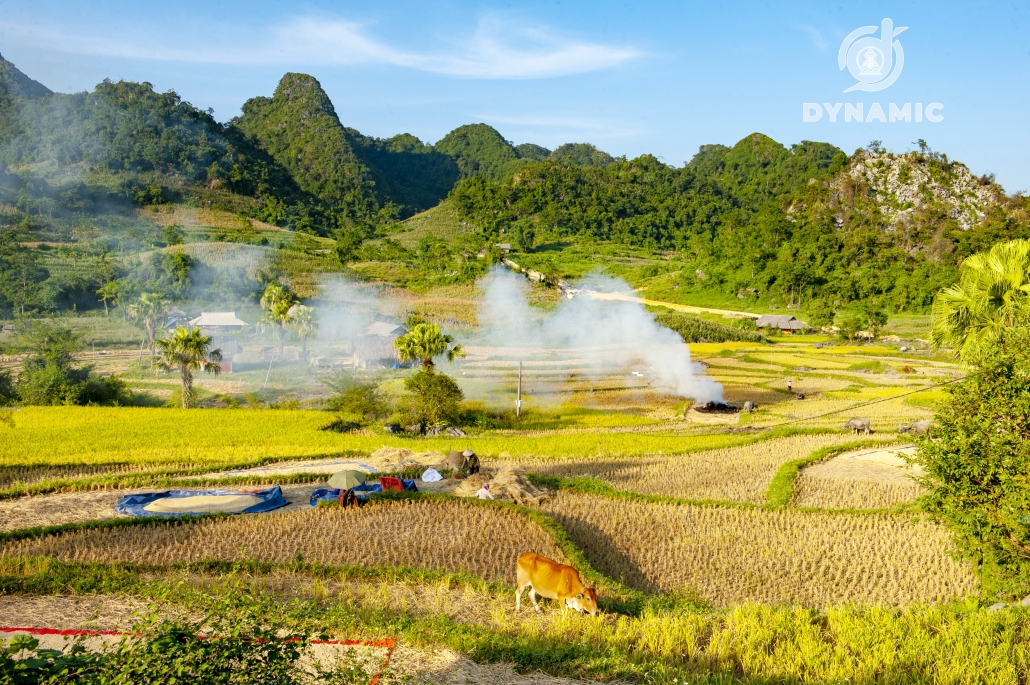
735 555
445 536
739 474
861 479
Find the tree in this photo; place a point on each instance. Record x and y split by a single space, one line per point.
435 398
302 321
147 311
276 301
109 293
187 352
821 315
991 296
850 325
423 342
977 464
875 320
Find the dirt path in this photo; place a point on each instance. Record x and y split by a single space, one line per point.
727 313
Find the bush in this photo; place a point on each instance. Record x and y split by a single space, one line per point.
49 376
8 393
435 399
850 325
355 396
977 466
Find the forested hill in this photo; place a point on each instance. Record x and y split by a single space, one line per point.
759 222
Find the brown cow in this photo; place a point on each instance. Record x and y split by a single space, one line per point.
552 580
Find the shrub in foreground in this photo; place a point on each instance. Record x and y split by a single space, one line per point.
977 465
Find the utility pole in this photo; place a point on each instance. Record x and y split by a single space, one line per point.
518 402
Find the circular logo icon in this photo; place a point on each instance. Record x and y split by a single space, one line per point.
875 62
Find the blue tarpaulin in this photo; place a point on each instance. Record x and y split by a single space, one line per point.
135 505
364 491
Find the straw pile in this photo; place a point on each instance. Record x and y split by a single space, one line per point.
506 484
402 459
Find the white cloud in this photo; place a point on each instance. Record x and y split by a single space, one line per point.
498 49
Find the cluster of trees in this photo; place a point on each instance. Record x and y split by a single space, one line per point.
781 224
432 399
977 461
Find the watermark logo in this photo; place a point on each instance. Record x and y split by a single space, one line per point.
876 63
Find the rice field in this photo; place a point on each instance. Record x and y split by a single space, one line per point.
87 436
740 474
853 484
444 536
735 555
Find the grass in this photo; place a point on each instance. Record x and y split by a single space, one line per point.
781 488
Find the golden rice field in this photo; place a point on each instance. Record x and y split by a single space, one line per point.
885 416
78 436
735 555
436 535
739 474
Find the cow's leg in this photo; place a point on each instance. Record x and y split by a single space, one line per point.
518 596
532 596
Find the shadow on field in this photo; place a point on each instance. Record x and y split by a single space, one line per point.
605 554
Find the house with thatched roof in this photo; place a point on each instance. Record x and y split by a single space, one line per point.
373 347
784 323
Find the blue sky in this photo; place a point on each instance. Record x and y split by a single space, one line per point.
630 77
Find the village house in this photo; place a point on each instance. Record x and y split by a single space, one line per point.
373 347
224 330
784 323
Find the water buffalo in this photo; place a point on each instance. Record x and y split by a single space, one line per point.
858 425
916 428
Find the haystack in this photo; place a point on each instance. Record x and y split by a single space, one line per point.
396 459
507 484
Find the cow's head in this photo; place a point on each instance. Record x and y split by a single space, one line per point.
584 601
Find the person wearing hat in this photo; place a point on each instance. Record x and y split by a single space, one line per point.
484 492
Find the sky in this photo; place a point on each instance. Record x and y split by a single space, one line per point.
632 78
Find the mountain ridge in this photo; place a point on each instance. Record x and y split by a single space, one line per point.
757 220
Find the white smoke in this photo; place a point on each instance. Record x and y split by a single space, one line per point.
598 335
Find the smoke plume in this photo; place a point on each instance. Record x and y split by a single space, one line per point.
594 334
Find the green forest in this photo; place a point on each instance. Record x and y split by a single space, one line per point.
757 225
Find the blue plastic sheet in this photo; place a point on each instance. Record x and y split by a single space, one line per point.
363 491
133 505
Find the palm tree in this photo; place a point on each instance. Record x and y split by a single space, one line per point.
147 310
109 293
993 293
423 342
186 351
277 301
303 322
